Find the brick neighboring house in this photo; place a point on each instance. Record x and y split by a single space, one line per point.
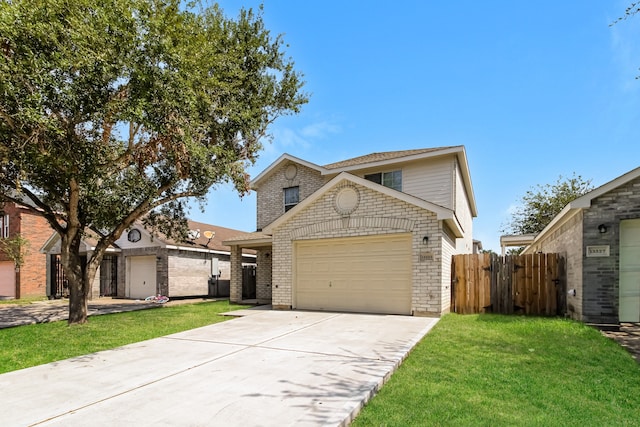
370 234
140 264
599 235
31 279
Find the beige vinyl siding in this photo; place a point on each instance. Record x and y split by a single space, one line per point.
463 214
430 180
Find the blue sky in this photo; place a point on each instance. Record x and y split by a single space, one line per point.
533 90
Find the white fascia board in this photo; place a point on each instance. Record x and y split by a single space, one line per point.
50 243
254 182
585 200
203 250
442 213
405 159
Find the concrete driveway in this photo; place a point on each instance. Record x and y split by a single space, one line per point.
269 368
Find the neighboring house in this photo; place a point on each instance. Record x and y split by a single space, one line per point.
370 234
599 235
140 264
30 278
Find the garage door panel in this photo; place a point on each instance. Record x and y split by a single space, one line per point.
363 274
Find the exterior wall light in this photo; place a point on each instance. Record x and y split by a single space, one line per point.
602 228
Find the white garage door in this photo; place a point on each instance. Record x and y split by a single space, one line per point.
142 276
357 274
7 279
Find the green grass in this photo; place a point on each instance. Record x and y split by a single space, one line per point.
492 370
23 301
31 345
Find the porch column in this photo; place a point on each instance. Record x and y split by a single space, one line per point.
235 286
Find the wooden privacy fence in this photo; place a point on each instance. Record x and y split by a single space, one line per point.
527 284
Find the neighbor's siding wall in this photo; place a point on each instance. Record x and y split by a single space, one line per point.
567 241
270 194
377 214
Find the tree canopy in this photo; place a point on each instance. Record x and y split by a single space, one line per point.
542 203
112 110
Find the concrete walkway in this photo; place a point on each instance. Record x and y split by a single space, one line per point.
269 368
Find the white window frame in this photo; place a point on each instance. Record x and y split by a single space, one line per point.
5 226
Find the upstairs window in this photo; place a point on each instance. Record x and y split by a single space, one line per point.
388 179
4 226
291 197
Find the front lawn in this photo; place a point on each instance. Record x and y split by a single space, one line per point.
31 345
493 370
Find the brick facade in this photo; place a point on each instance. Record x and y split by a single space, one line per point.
270 196
31 280
376 214
595 279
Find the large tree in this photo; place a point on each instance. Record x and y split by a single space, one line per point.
111 111
542 203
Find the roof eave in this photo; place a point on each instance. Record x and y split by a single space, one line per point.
254 184
442 213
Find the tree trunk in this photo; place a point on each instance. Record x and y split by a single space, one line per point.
79 275
80 287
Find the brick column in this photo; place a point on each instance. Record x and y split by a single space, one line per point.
235 286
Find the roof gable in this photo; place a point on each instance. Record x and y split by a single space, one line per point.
584 201
284 158
382 159
441 212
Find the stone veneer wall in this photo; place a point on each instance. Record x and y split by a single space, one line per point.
376 214
270 195
568 242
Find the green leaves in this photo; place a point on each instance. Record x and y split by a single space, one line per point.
141 101
113 109
541 204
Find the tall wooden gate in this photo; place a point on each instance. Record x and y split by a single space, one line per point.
488 283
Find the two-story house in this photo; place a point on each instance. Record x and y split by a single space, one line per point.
28 280
140 264
370 234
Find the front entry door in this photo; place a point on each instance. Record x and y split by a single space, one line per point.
629 310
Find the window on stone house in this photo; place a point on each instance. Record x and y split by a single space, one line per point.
291 197
388 179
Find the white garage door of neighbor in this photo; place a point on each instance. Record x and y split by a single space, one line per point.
629 310
356 274
7 279
142 276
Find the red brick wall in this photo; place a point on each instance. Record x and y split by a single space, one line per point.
34 228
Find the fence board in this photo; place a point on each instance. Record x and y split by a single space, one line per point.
530 284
